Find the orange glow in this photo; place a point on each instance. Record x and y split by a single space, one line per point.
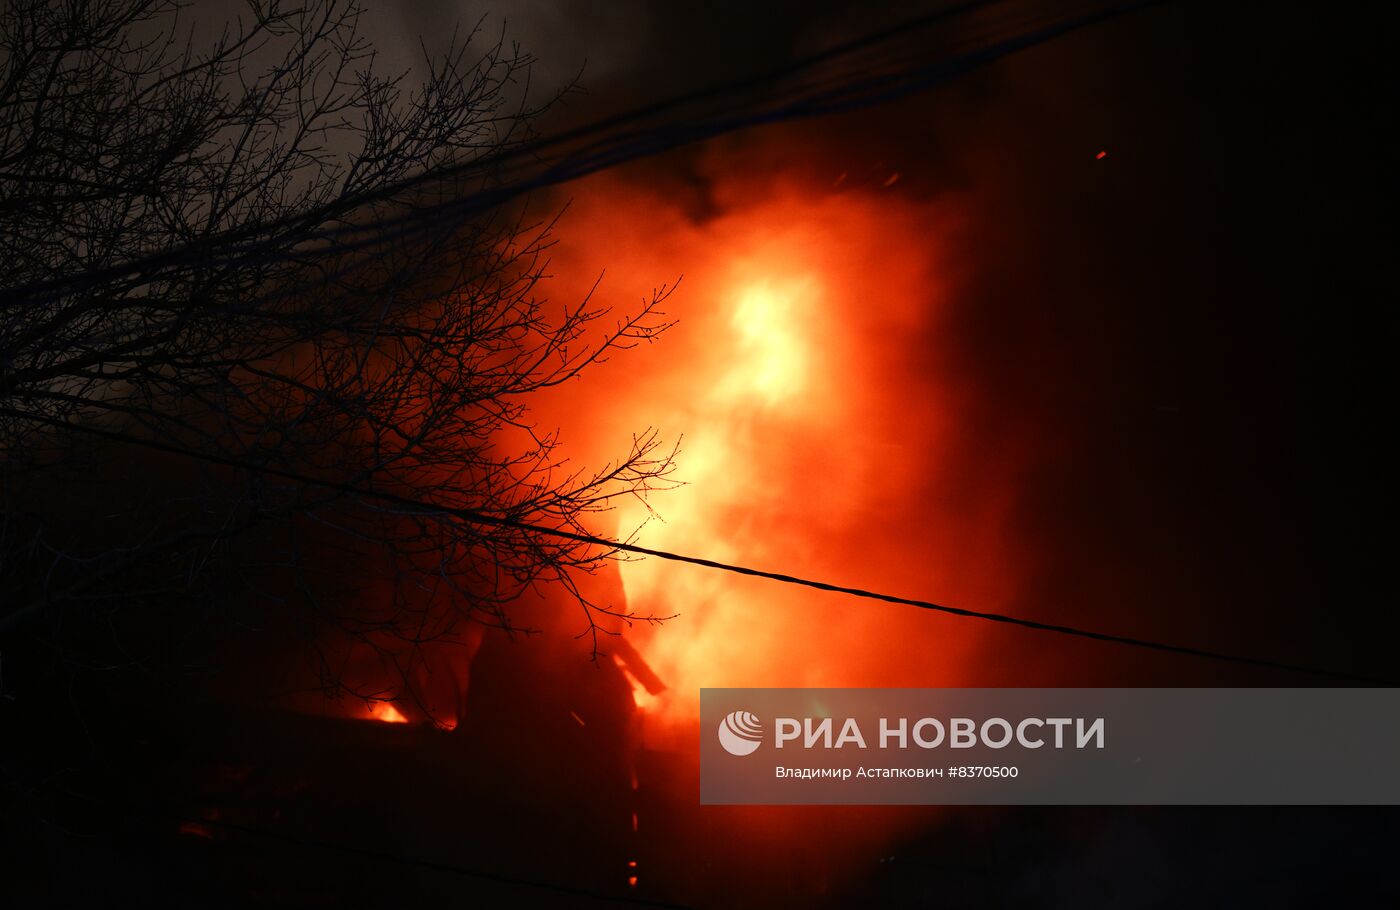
816 396
386 712
1101 155
195 829
820 407
815 406
644 700
771 356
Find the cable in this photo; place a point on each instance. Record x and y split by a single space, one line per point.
600 145
480 518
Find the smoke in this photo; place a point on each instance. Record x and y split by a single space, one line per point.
569 39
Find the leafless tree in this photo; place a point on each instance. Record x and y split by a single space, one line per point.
206 394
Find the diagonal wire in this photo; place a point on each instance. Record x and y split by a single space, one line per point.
615 140
472 516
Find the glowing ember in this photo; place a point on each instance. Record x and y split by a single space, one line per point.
386 712
642 699
195 829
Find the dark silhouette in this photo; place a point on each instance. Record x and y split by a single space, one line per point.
183 435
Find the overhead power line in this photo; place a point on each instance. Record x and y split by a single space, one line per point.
472 516
888 64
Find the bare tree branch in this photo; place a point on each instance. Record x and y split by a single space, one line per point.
396 365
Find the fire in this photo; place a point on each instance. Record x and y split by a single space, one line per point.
386 712
644 700
810 389
815 395
772 356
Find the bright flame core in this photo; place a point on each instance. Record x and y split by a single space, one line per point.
386 712
771 356
807 383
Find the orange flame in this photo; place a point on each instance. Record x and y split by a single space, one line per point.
809 385
386 712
